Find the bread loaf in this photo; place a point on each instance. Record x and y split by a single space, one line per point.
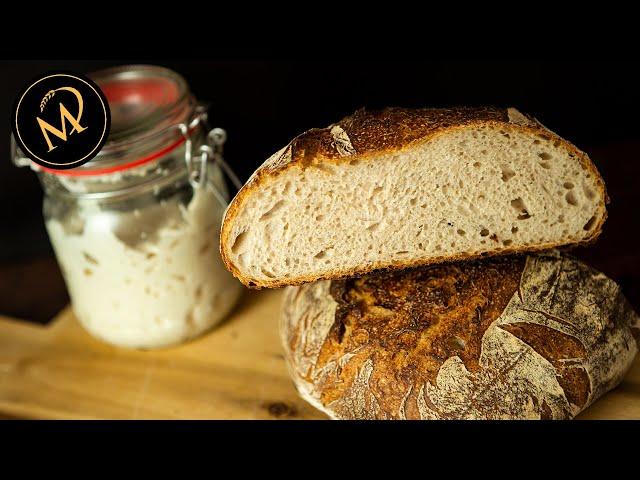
401 188
529 337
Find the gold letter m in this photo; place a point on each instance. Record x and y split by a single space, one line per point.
64 115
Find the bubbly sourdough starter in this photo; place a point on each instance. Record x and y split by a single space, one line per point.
147 278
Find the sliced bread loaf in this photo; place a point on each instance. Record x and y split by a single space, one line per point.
398 188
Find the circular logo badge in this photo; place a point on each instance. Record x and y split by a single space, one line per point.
61 120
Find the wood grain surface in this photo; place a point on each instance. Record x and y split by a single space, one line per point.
236 371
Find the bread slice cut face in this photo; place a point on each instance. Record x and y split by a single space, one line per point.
399 188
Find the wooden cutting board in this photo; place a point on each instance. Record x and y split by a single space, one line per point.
237 371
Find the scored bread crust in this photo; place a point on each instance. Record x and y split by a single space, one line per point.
543 337
366 135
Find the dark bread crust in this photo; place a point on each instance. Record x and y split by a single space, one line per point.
426 314
515 337
372 133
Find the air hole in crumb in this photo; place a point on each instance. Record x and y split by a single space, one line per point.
269 213
238 242
507 173
514 229
89 258
589 225
484 232
354 162
518 204
544 156
376 190
413 201
461 232
571 199
461 183
493 237
420 246
402 252
476 164
536 142
373 227
545 165
267 273
589 193
88 272
437 248
506 243
568 185
560 218
319 217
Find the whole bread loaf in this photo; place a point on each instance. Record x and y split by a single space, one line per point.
540 336
398 188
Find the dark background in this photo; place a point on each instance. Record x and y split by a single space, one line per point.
262 105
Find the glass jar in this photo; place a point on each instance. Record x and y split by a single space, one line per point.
136 229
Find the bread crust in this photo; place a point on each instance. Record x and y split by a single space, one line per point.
541 336
364 136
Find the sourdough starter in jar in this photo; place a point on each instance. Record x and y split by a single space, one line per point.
138 289
136 230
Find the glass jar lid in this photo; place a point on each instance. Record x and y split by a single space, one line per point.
154 117
150 107
143 99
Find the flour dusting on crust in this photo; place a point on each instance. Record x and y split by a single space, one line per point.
564 338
